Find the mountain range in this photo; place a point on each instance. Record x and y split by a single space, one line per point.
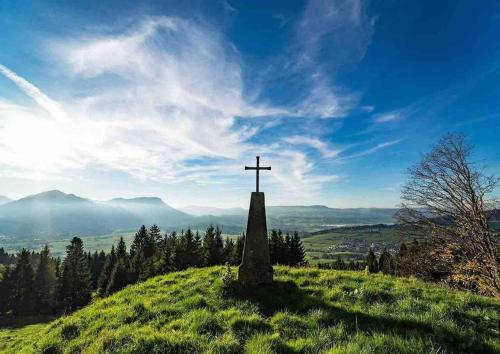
4 199
54 214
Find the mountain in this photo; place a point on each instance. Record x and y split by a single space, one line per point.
4 200
204 210
56 214
291 218
152 210
306 310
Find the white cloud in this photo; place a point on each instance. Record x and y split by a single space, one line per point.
330 34
386 117
317 144
341 26
324 102
34 92
157 98
372 150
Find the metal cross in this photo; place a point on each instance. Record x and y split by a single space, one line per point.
258 168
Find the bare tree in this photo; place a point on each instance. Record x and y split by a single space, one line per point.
446 202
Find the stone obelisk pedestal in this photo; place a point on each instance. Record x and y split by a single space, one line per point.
256 266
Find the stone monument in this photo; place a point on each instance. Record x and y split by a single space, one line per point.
256 266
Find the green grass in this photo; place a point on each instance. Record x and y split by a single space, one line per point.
18 333
305 311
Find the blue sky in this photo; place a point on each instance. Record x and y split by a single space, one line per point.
172 99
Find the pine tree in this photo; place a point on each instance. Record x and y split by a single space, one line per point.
218 246
96 266
198 250
74 285
143 253
44 283
121 249
229 247
155 235
168 249
120 275
275 247
240 245
188 252
297 254
22 294
107 269
371 262
140 240
208 246
5 291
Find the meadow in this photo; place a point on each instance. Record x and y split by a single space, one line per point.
306 310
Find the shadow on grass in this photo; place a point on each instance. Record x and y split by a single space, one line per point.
281 296
13 322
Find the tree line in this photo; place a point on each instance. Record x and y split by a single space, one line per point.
35 283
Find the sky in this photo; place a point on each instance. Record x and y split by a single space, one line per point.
172 99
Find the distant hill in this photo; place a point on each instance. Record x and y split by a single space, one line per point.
204 210
307 310
4 199
152 210
55 214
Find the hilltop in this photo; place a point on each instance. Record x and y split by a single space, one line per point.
306 311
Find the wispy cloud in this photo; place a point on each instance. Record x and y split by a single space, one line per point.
371 150
315 143
386 117
34 92
330 34
159 98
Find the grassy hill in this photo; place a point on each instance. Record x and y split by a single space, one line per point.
306 311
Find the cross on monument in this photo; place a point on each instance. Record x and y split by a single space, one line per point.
257 169
255 265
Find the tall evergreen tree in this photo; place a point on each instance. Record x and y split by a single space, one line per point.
5 291
208 246
96 267
274 246
120 275
229 248
218 246
297 254
140 240
121 249
240 245
74 284
371 262
198 250
143 251
168 250
22 294
107 269
155 235
44 283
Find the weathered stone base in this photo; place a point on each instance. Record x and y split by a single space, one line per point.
256 264
255 275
